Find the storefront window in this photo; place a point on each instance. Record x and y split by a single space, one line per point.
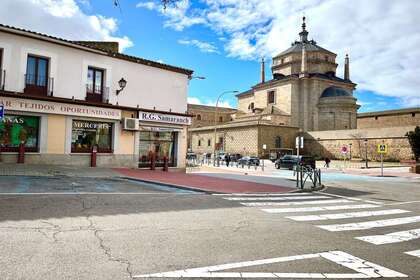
86 134
158 142
15 129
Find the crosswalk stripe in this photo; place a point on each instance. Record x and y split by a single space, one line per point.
323 208
261 194
371 224
296 202
347 215
415 253
276 198
393 237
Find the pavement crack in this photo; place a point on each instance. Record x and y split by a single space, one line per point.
108 253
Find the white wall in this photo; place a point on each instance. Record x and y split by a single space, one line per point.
146 86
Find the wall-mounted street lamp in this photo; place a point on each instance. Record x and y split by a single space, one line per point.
122 83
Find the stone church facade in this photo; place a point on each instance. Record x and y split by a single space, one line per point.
306 97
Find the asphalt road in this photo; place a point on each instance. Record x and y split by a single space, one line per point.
79 228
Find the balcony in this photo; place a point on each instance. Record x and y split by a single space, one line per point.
97 94
2 78
38 85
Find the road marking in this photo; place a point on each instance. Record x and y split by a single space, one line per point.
393 237
415 253
97 193
316 209
276 198
371 224
351 198
260 194
295 203
363 268
347 215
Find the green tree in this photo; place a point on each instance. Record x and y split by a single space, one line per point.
414 139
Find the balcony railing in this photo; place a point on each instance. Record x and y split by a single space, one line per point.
38 85
2 78
97 94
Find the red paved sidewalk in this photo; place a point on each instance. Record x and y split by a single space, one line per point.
200 182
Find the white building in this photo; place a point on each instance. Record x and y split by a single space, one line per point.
63 97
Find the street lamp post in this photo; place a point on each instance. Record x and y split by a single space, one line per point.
215 122
350 149
366 157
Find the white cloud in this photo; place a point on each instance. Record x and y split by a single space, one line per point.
380 35
202 46
198 101
61 18
147 5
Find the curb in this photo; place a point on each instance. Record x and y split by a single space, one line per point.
175 186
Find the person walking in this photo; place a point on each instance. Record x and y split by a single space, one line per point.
227 160
327 162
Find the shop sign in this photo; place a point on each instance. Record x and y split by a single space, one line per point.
26 105
164 118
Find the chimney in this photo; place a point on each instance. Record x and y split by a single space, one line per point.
347 68
262 70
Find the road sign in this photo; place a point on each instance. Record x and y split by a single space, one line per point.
299 142
382 148
264 147
1 111
344 150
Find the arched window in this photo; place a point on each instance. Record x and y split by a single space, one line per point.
220 119
209 142
278 142
198 117
251 106
199 143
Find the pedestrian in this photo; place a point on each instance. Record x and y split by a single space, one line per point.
227 159
327 162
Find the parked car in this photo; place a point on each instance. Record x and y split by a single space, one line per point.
249 160
235 157
289 161
191 156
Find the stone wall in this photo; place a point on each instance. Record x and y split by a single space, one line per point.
268 135
369 120
242 140
329 143
204 115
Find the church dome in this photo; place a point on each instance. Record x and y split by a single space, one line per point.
335 92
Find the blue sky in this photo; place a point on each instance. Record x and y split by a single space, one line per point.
224 40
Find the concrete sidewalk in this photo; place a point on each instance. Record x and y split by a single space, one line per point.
13 169
209 184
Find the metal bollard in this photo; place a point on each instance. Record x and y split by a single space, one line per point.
21 154
93 156
165 163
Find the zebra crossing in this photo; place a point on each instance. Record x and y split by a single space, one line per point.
319 205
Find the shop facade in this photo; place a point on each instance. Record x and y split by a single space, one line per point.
64 99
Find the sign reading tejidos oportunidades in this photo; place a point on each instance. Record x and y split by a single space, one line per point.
26 105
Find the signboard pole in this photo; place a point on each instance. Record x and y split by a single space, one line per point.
382 165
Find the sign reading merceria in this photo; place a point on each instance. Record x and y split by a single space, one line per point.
164 118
